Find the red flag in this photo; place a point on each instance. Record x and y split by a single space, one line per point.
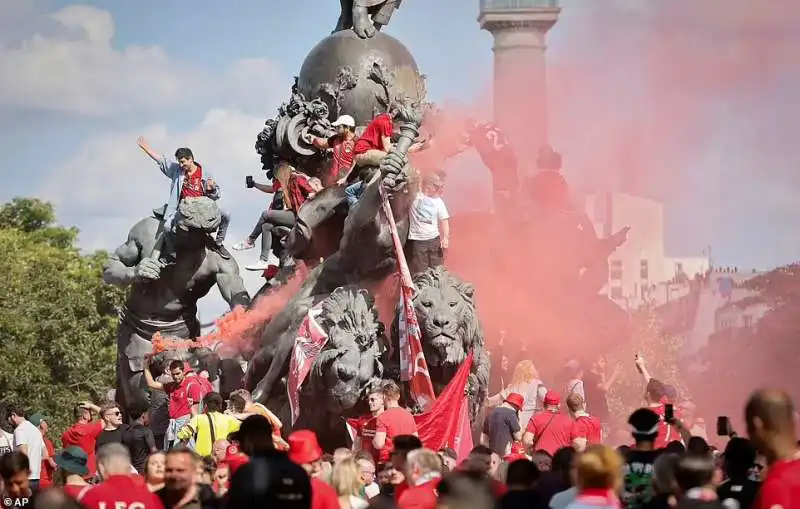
310 340
413 367
446 424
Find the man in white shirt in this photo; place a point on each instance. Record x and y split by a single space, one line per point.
28 440
429 228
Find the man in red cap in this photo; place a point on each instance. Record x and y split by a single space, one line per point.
501 427
549 430
305 451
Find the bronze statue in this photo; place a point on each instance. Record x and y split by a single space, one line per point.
366 17
163 297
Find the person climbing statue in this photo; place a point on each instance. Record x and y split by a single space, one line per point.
188 180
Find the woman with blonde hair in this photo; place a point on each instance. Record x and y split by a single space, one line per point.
346 480
598 478
524 381
295 188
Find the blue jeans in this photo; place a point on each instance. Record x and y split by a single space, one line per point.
354 192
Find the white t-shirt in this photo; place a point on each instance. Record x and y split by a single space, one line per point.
28 434
6 442
426 212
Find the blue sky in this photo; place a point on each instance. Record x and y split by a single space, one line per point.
79 83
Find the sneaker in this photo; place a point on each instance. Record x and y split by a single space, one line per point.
273 260
243 246
221 249
270 272
260 265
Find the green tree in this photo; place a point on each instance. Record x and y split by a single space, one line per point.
57 317
661 352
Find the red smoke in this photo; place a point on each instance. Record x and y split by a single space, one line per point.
681 101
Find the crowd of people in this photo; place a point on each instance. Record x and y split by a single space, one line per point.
560 458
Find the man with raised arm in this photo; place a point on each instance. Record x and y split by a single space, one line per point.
188 180
163 298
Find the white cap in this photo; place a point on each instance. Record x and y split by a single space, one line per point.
345 120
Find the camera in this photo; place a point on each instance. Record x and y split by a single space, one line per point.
249 182
669 412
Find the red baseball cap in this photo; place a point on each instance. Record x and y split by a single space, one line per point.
552 398
515 399
304 447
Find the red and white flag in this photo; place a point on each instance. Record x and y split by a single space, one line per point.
310 340
413 367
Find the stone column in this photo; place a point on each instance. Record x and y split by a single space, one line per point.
519 28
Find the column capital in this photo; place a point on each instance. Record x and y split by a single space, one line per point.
538 19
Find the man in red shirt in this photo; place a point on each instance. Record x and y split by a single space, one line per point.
376 140
423 472
771 418
304 450
394 421
586 429
549 430
185 394
368 424
342 146
84 433
119 488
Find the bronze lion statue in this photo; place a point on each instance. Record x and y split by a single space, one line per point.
450 329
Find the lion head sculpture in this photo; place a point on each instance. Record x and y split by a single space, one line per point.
448 319
350 360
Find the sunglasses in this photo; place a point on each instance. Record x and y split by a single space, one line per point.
115 413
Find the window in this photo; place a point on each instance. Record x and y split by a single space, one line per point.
747 320
679 268
616 293
615 270
643 270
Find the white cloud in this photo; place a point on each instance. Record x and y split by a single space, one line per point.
75 68
109 184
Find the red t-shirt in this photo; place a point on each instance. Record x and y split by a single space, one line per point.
372 138
322 495
120 491
84 435
46 475
182 396
423 496
588 427
367 425
555 435
193 184
342 157
394 422
781 488
666 432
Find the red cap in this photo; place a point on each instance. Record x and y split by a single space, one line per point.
515 399
304 447
552 398
234 458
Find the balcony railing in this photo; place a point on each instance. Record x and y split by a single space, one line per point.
487 5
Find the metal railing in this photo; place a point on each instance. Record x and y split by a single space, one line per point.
487 5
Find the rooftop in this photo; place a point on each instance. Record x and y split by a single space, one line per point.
516 4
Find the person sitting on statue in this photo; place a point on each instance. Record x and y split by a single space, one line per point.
429 226
341 146
295 189
189 180
275 204
376 140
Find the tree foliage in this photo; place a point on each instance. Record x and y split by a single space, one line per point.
765 355
57 317
661 352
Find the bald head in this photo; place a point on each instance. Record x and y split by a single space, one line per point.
774 409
